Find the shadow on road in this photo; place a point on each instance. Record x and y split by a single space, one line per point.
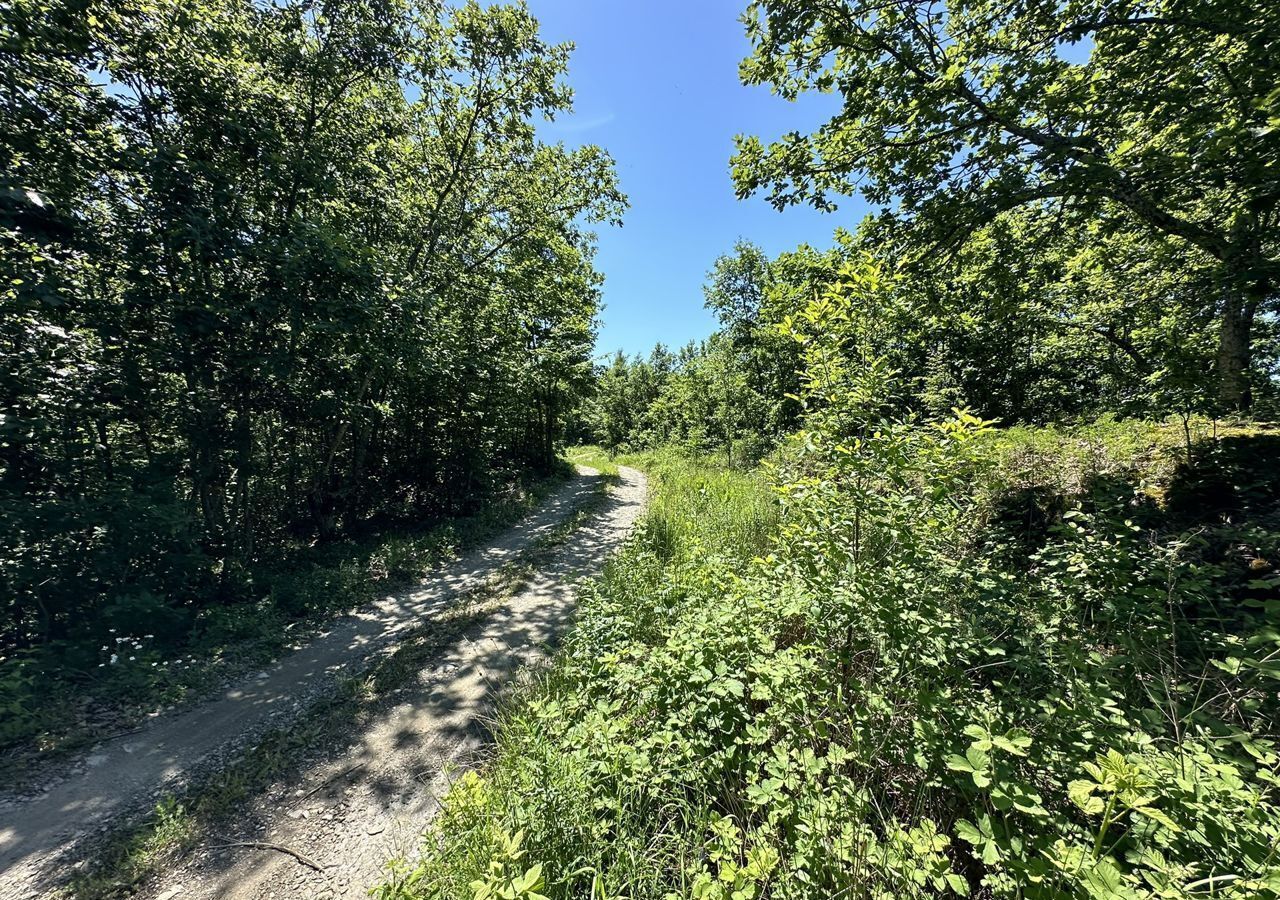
380 744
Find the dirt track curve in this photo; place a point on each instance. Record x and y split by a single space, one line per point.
351 811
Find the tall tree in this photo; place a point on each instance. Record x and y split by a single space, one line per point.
269 271
955 111
743 291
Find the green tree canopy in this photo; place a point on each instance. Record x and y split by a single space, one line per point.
956 111
270 271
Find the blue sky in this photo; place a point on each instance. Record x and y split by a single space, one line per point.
656 84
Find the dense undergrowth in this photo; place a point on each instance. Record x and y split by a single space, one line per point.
932 659
59 695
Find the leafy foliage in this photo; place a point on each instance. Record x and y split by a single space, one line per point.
893 684
1154 118
733 392
271 273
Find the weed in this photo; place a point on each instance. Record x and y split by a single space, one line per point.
876 679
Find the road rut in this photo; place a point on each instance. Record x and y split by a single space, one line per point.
367 804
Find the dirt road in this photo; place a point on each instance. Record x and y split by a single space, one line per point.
350 812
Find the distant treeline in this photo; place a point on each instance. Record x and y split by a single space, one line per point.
1030 323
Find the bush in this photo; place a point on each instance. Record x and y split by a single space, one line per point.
881 701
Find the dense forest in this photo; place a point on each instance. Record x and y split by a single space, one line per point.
961 569
272 273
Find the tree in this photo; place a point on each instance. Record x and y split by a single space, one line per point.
1041 318
955 111
744 290
614 413
270 271
737 287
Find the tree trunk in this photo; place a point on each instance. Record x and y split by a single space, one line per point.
1235 338
549 433
242 537
323 496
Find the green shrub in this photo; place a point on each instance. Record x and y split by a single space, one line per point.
884 699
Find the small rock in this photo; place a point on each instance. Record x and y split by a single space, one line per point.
171 893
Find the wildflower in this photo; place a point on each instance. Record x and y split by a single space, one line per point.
114 657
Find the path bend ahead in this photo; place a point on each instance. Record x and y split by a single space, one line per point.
380 811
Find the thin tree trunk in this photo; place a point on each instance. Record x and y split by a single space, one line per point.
243 537
1235 337
323 487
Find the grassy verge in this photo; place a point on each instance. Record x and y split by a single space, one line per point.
1028 663
554 743
60 705
179 824
596 457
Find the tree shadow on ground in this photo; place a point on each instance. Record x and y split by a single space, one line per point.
1233 479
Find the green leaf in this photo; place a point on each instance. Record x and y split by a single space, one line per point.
1014 741
1158 816
1230 665
1081 794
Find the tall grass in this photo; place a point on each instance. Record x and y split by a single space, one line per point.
558 741
950 668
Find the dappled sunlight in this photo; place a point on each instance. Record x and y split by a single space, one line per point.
130 772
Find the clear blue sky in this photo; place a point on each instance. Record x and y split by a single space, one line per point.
656 84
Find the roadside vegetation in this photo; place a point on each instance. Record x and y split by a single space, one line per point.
919 657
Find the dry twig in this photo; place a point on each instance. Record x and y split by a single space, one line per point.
267 845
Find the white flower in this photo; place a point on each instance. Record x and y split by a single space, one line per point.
114 657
